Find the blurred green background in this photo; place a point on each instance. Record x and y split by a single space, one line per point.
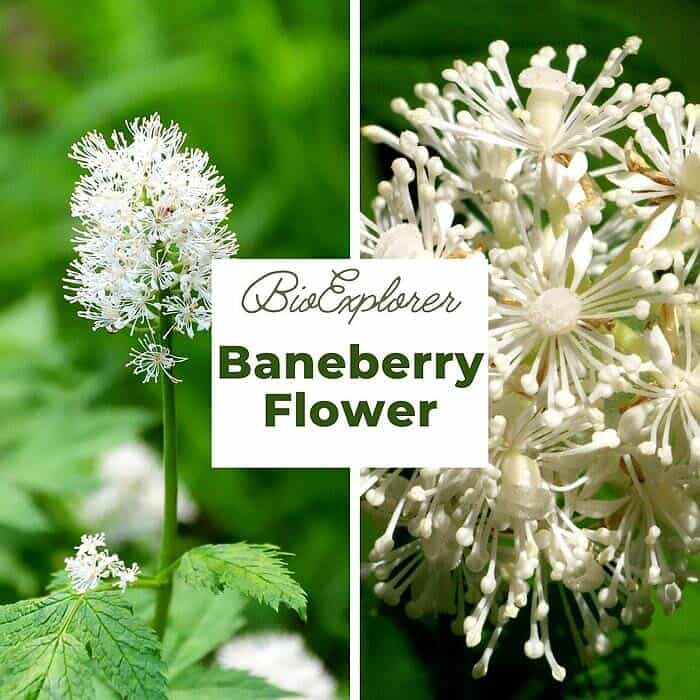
409 41
263 87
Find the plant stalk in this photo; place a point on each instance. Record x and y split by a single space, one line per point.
578 642
169 531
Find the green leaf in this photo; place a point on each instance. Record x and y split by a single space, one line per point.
125 649
19 512
48 665
27 326
57 643
199 623
672 645
384 641
21 622
254 570
14 572
201 683
58 581
55 666
53 450
103 691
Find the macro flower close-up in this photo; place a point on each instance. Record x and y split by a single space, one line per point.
585 521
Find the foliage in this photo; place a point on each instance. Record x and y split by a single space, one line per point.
58 645
263 88
254 570
199 624
52 645
215 684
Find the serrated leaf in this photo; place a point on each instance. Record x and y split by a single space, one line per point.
201 683
123 647
254 570
39 658
56 666
199 623
53 646
21 622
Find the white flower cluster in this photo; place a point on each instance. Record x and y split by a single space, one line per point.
152 218
593 477
129 500
281 659
93 564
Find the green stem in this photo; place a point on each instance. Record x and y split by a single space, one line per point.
578 642
142 582
150 583
169 533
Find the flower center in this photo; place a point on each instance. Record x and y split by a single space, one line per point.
517 470
548 95
523 493
555 311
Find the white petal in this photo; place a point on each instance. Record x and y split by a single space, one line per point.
578 166
636 182
445 214
659 350
659 226
581 257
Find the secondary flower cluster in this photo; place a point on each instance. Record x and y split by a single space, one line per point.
129 500
93 564
592 482
282 659
152 218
